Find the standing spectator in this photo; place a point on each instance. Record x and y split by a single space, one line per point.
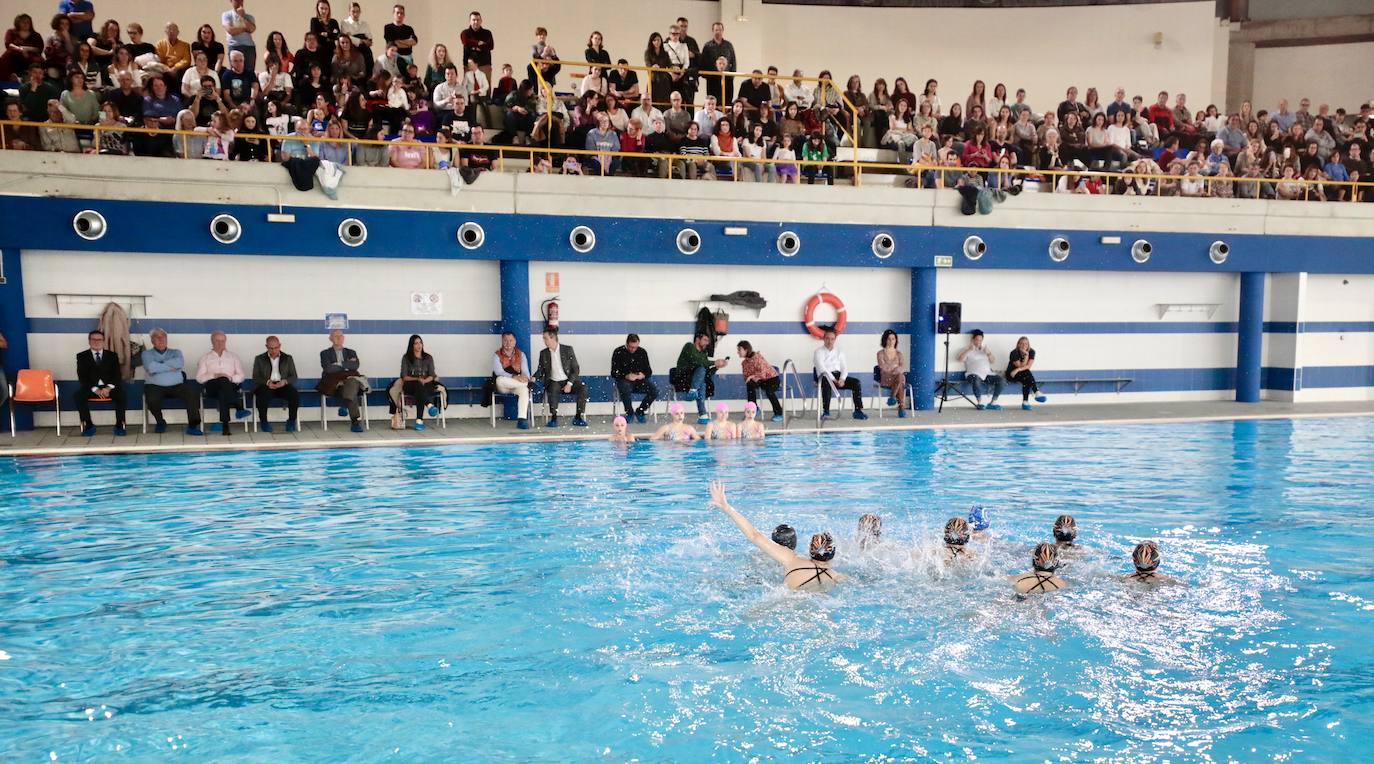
680 63
353 26
596 51
401 34
212 48
59 48
559 373
477 46
976 98
829 361
274 376
174 52
693 50
978 360
79 15
632 374
660 80
759 374
715 49
220 372
23 46
325 28
239 26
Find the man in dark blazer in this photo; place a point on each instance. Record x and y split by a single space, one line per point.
99 378
274 376
341 378
559 373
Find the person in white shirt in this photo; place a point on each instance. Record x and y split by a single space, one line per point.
830 361
709 116
220 373
646 113
978 360
797 91
475 83
680 58
274 376
447 94
510 369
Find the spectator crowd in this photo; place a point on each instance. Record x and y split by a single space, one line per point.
240 94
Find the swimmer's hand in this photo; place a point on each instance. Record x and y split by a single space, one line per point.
718 495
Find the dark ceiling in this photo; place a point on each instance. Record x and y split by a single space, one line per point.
967 3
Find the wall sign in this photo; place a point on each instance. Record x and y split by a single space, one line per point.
426 303
334 321
944 261
551 282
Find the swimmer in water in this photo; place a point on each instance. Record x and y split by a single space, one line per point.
620 431
785 535
720 427
751 428
1065 531
870 531
956 541
1146 559
979 520
1041 579
676 429
812 575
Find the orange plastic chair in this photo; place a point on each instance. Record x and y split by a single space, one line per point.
34 386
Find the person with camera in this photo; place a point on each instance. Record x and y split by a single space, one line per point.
693 366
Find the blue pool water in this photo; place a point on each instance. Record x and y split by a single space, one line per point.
575 602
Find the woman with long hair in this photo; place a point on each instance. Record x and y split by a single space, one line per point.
880 105
892 370
325 28
213 49
902 92
660 82
434 70
976 98
1019 363
418 380
931 93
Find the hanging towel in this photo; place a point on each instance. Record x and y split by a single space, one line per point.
114 324
329 175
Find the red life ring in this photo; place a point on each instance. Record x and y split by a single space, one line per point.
809 314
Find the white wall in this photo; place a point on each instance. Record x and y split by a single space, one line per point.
262 288
1342 299
1319 72
1021 47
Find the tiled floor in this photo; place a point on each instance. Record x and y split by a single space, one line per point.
471 430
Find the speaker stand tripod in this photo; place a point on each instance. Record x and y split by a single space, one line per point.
942 390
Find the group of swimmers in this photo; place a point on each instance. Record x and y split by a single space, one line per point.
814 573
719 428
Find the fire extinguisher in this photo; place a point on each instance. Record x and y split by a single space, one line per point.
549 310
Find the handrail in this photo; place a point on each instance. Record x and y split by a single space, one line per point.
785 366
917 169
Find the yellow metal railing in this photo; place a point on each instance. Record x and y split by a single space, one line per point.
530 154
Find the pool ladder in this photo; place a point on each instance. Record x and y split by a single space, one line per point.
793 390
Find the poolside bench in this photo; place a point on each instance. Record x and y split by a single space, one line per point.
1119 383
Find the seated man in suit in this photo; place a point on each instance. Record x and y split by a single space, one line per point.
164 368
341 378
220 372
100 378
559 372
274 376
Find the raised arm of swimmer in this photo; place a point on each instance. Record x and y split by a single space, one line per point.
777 551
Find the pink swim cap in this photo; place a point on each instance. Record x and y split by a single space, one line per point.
618 420
676 408
751 406
722 407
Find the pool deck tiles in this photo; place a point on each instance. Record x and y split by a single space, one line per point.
46 441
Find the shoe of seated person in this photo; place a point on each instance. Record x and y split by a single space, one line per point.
357 427
1040 398
690 395
553 422
160 428
860 415
216 427
993 407
195 431
901 413
826 415
777 417
266 427
523 424
291 425
241 414
119 431
579 422
419 425
639 417
433 411
891 401
343 411
703 419
978 405
228 431
1026 407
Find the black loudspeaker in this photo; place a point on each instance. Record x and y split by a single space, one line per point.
948 318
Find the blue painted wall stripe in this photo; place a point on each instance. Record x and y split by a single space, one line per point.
1318 327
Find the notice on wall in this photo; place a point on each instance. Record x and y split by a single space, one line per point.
334 321
426 303
551 282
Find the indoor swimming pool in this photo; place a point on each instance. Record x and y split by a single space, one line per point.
582 602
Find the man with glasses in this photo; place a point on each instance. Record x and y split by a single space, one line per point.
680 58
100 380
274 376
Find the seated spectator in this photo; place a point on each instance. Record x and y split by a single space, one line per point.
829 361
624 83
405 152
250 144
593 82
798 92
549 111
219 138
1192 183
559 373
892 370
1019 363
1316 192
164 370
220 372
82 104
23 46
340 377
19 137
759 374
953 123
298 149
420 381
110 141
473 156
274 376
520 110
696 149
756 146
783 157
274 83
505 85
977 151
602 138
632 373
658 142
441 151
978 360
99 378
238 83
35 94
620 119
816 150
1051 156
647 114
511 375
1215 158
723 145
901 134
632 141
693 367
